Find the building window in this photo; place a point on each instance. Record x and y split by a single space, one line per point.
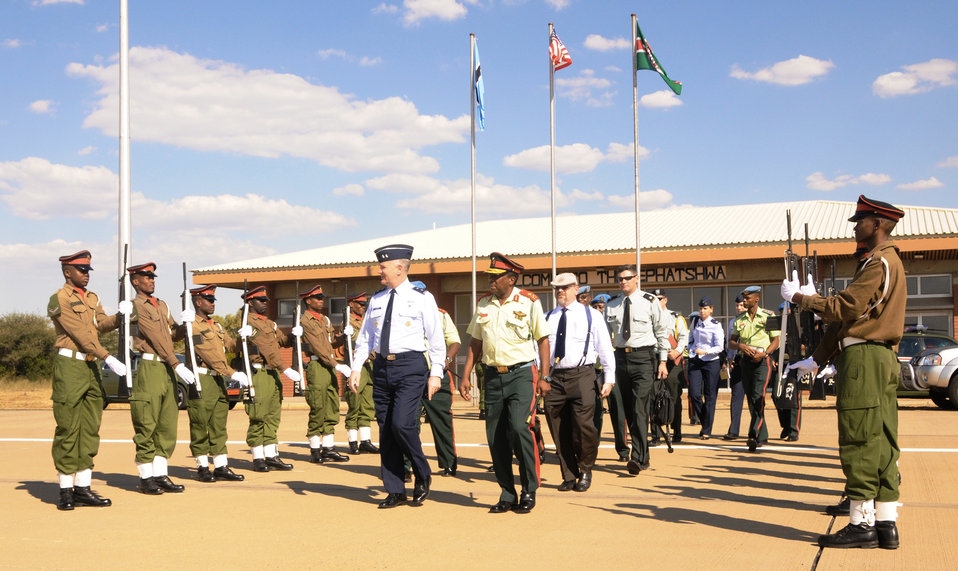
929 286
285 312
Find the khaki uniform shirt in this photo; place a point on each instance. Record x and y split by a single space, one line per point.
752 331
649 328
317 332
872 307
211 343
268 339
508 331
449 331
154 328
78 319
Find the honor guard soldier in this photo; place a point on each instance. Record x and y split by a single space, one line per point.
266 410
360 410
871 317
577 339
322 390
78 319
209 412
153 405
509 333
641 340
754 336
401 325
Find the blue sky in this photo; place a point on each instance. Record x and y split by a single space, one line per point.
267 127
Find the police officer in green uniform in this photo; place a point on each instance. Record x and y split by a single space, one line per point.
78 319
209 410
871 314
509 332
360 410
153 405
754 338
322 390
267 362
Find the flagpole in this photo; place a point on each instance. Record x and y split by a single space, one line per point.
472 155
552 151
635 120
124 233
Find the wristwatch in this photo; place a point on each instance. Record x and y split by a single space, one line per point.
547 378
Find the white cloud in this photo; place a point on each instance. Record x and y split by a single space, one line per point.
88 150
418 10
384 8
796 71
207 105
100 28
950 162
569 159
926 184
366 61
584 87
660 99
582 195
917 78
12 43
817 180
330 52
47 2
602 44
36 189
41 106
441 196
648 199
559 4
350 190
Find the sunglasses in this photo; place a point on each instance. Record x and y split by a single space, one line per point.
626 278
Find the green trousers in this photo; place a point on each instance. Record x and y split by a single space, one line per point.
264 414
77 409
439 413
322 396
208 416
154 411
510 413
755 377
361 410
867 404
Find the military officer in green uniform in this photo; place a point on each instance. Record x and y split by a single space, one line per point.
153 404
78 319
209 411
322 390
360 409
871 317
266 362
754 337
509 333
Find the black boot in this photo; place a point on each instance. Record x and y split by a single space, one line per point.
275 463
860 535
66 499
84 496
887 534
203 474
148 486
330 455
259 465
316 455
224 473
353 447
368 446
167 484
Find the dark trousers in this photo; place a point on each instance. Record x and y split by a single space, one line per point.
674 381
398 388
570 408
703 390
635 372
755 378
510 414
439 414
599 403
738 395
617 418
790 419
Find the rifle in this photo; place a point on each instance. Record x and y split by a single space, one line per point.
245 343
787 392
298 389
123 339
189 342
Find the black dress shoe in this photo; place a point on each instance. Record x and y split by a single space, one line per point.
841 508
275 463
655 442
316 455
353 447
65 503
860 535
224 473
259 465
730 436
167 484
148 486
566 486
752 444
791 438
203 474
421 491
502 507
887 534
676 439
585 481
84 496
624 457
368 446
527 501
392 500
705 436
330 455
448 472
634 467
482 416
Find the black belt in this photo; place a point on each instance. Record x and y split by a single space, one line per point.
574 369
501 369
634 349
400 356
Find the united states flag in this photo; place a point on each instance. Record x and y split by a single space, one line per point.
557 52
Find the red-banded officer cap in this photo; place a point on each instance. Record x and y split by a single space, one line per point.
315 291
256 292
81 260
207 292
499 264
147 270
871 207
359 298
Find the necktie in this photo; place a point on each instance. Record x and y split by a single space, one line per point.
387 325
560 336
627 320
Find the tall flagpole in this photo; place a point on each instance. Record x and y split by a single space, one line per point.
552 152
472 154
124 233
635 120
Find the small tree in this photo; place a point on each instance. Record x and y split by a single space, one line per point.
26 346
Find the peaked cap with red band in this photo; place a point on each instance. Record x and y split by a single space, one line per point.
315 291
869 207
81 259
499 264
359 298
258 291
207 291
147 269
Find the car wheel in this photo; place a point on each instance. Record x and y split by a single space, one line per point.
181 392
232 404
941 399
953 391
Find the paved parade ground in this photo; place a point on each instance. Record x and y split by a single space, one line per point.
710 504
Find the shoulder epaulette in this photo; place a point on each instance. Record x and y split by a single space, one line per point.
441 310
767 312
380 291
528 294
488 295
675 314
651 298
420 289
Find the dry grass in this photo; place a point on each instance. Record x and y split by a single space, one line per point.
24 393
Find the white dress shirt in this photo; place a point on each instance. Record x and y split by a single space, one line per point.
577 328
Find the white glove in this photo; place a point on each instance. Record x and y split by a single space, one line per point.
791 287
827 373
809 287
297 331
348 330
185 374
188 315
293 375
344 370
125 307
803 367
116 365
245 331
240 378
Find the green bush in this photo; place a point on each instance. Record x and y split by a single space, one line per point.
26 346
